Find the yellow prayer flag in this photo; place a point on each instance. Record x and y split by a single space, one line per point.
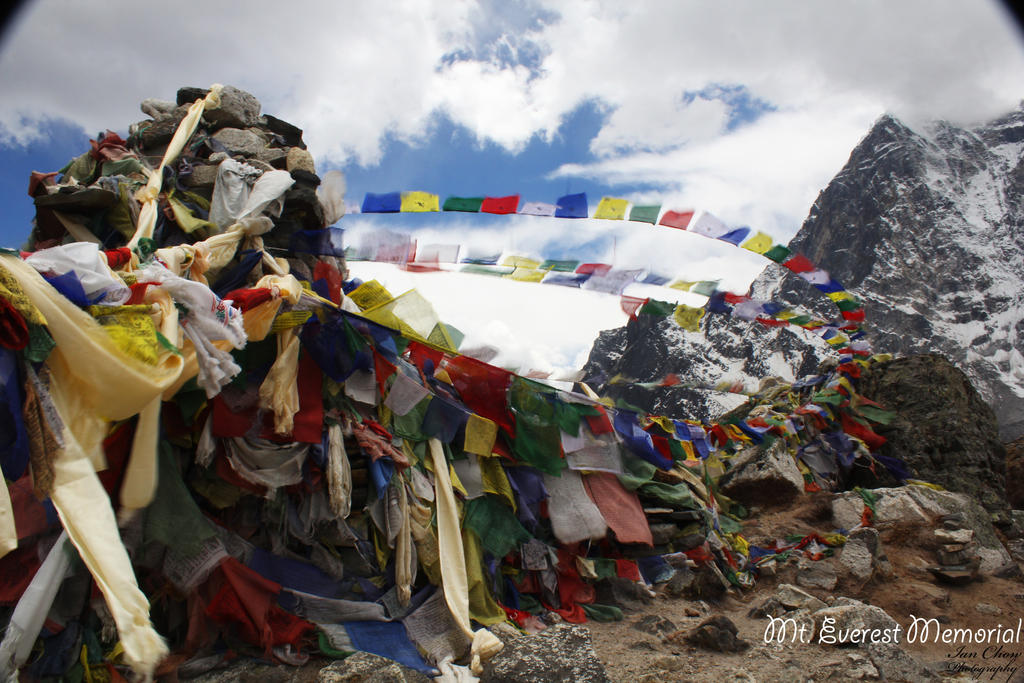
370 294
688 317
413 202
519 262
739 544
665 423
785 314
683 285
839 296
480 435
759 243
526 275
688 447
494 480
611 209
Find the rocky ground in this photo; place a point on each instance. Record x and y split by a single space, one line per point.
877 584
651 645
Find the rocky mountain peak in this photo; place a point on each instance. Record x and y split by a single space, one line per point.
926 226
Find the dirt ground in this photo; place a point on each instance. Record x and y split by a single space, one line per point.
636 656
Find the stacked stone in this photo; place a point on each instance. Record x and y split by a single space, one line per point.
958 555
95 192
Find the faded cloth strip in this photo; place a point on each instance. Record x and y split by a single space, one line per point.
330 610
599 454
404 395
432 628
621 508
339 473
32 608
574 517
453 561
44 428
94 383
267 463
387 639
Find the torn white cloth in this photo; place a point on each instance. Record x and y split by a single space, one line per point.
83 258
574 517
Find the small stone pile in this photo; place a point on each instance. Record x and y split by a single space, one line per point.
95 198
958 556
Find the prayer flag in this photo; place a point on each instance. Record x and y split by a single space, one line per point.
519 261
631 304
682 285
565 279
559 266
469 204
778 253
688 317
437 253
500 205
645 214
759 243
829 287
676 219
593 268
416 202
734 237
390 202
324 242
538 209
654 279
613 281
705 287
709 226
798 263
572 206
611 209
527 275
661 309
816 276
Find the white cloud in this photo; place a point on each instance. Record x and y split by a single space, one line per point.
353 73
764 175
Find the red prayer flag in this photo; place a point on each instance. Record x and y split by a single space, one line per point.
631 304
593 268
798 263
676 219
854 316
507 204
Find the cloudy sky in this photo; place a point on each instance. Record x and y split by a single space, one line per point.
745 109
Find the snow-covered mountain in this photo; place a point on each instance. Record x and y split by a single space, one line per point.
926 227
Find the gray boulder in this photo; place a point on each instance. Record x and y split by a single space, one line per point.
760 476
238 109
238 141
363 667
563 652
922 505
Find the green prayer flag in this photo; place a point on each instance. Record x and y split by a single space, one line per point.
495 524
848 305
645 214
705 287
662 309
471 204
778 253
559 266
